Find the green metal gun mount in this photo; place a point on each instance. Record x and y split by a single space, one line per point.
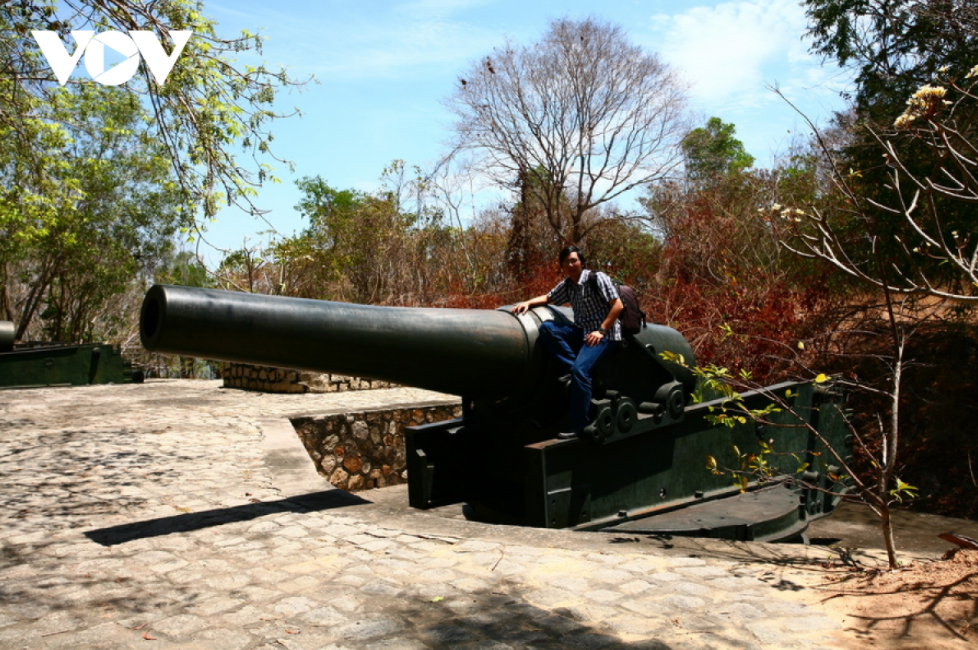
35 365
640 468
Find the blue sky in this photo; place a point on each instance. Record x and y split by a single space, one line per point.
385 67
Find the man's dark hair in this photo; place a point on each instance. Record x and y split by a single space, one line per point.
564 254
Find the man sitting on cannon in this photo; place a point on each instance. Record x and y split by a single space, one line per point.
595 332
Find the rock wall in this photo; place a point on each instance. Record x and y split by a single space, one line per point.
283 380
361 451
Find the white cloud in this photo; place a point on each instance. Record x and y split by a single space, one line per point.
731 51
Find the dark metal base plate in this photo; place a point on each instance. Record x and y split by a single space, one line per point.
765 515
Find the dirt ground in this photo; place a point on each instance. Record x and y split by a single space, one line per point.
926 605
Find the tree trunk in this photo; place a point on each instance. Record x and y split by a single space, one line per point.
887 527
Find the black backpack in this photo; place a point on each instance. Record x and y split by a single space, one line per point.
632 318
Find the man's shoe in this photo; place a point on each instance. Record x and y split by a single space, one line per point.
567 435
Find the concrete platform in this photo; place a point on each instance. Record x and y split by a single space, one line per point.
177 514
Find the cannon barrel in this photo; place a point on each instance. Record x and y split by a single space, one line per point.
7 334
478 353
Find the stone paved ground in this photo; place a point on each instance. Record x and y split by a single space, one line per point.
161 516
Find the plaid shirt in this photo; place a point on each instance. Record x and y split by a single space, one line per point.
590 307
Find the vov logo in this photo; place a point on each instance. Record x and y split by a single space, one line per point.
93 47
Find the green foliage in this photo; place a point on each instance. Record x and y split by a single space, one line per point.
876 484
897 49
94 179
101 209
712 151
894 46
184 269
353 239
901 491
208 106
713 383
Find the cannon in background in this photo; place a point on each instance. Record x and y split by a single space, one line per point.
643 454
35 365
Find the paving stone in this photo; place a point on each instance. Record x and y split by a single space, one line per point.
225 639
633 625
734 583
588 640
485 644
377 545
448 635
435 576
703 571
693 589
397 644
324 617
214 605
664 576
346 603
507 568
573 583
684 602
634 587
603 596
477 545
470 585
740 611
180 627
367 628
58 623
21 637
292 606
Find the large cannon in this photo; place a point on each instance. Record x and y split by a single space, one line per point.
643 453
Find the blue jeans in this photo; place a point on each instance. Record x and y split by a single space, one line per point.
566 342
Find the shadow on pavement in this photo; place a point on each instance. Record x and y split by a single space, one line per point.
504 619
313 502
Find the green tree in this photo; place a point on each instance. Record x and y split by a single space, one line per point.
357 243
893 46
103 210
185 269
95 178
713 151
208 106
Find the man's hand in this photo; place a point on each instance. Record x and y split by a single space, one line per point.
594 338
526 305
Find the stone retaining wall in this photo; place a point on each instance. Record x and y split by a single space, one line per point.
361 451
283 380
